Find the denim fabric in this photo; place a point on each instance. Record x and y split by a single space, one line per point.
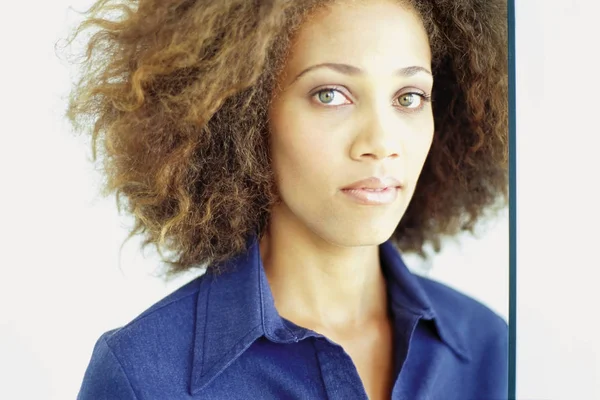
222 338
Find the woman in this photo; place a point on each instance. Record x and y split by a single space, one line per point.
290 148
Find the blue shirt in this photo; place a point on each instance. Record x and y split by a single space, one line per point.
221 337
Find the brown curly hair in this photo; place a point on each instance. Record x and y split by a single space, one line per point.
176 92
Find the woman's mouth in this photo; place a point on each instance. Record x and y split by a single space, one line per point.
377 196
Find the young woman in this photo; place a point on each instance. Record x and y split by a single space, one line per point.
292 149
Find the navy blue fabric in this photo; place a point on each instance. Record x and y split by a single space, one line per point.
221 337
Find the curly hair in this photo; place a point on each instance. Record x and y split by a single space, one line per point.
177 92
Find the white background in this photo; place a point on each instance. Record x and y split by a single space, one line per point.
64 281
558 163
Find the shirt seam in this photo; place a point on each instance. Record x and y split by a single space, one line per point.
112 353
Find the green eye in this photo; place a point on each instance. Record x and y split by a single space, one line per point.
331 97
326 96
408 100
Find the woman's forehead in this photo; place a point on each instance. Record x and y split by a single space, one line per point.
379 37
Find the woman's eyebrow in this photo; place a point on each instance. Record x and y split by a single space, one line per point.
352 70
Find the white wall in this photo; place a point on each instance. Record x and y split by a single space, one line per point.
558 104
60 243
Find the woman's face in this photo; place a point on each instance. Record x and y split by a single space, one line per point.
366 115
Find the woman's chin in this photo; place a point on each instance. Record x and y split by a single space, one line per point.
366 236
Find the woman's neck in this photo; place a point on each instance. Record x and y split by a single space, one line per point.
317 284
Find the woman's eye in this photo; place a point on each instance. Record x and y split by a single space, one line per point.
331 97
410 100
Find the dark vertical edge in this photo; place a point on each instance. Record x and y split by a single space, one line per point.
512 205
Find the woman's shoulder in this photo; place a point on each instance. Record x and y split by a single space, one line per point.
155 346
173 310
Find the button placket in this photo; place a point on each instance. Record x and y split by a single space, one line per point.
339 373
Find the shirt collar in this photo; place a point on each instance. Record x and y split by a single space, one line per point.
407 293
236 308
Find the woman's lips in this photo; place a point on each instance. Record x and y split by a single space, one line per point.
373 196
374 183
